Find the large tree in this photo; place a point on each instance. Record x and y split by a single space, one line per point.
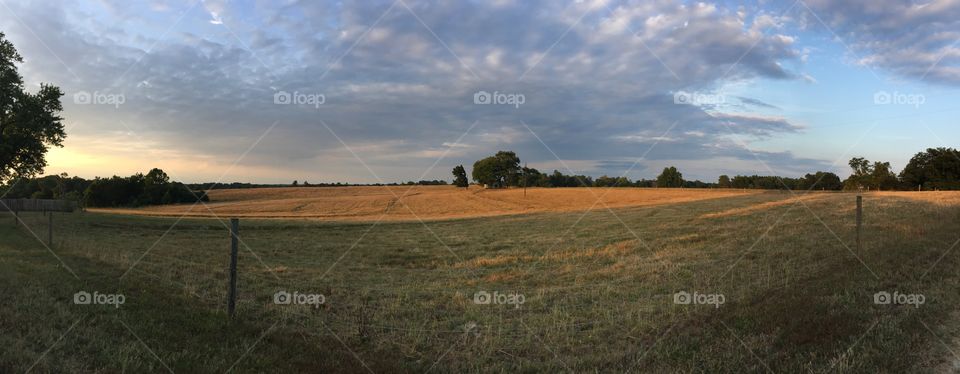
670 177
935 168
724 182
499 170
29 122
822 180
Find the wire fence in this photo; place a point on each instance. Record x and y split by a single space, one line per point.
37 205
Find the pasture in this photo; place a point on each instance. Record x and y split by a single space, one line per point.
776 284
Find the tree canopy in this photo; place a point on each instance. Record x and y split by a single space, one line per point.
499 170
460 177
670 177
876 176
933 169
29 122
724 181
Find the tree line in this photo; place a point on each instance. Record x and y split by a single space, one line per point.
503 170
153 188
932 169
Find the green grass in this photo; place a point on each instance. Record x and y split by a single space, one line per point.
596 297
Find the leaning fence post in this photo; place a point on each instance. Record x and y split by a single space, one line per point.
859 219
232 292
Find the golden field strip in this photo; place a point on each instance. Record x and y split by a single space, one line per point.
370 203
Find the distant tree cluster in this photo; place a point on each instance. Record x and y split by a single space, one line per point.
435 182
503 170
154 188
820 180
62 187
875 176
933 169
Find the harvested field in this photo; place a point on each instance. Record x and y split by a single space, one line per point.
424 202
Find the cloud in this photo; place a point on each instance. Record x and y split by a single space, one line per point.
398 84
914 39
756 102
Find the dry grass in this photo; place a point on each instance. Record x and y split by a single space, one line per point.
426 202
936 197
599 290
740 211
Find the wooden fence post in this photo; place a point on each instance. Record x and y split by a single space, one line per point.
50 229
859 219
234 244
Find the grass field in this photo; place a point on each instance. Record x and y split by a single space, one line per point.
418 202
598 290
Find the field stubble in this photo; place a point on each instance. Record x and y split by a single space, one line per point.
424 202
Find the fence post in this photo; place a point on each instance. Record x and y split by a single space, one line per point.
234 243
50 229
859 219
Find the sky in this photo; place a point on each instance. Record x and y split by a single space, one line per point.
270 91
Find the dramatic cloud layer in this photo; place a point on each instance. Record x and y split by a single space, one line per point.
601 82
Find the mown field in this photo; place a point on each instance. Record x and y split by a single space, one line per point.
372 203
598 291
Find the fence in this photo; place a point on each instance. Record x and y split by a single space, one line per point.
37 205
